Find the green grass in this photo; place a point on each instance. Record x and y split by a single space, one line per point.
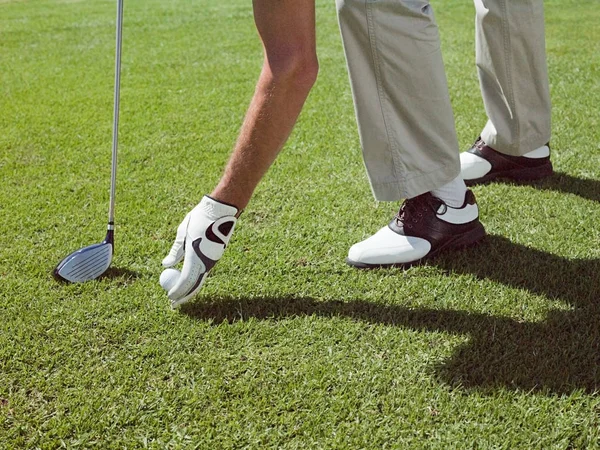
286 347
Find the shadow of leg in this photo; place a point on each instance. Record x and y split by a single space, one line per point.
562 182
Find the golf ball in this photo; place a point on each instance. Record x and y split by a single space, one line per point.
168 278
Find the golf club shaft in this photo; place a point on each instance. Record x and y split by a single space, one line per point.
115 137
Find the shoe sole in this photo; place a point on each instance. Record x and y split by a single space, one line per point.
519 175
459 242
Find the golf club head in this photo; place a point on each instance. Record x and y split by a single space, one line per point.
87 263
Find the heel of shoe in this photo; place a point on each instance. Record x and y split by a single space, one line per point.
519 175
533 173
470 238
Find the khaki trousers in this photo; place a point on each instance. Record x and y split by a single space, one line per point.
400 93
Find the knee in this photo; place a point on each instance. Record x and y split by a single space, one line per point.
293 68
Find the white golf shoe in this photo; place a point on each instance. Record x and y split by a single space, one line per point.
424 227
482 164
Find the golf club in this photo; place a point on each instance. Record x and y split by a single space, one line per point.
92 261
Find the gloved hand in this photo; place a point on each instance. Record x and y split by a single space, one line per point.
201 240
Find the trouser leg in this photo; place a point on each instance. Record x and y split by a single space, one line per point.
403 110
511 61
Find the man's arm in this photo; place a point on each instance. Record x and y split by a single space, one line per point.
287 31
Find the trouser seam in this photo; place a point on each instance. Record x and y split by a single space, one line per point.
378 81
509 81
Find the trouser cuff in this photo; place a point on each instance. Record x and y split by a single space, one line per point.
415 185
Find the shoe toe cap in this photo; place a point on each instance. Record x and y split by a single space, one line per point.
473 166
387 247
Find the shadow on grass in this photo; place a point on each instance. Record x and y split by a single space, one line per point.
120 273
562 182
559 355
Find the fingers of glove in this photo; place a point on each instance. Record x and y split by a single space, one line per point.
174 256
191 276
176 253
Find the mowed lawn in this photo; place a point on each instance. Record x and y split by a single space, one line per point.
286 347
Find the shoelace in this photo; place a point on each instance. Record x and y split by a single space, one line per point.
412 210
479 144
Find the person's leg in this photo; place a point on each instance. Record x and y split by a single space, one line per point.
513 75
287 30
407 132
401 98
511 61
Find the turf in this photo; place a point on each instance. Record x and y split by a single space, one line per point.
286 347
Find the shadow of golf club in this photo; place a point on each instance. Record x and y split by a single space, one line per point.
120 273
112 273
558 355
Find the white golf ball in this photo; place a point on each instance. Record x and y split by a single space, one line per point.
168 278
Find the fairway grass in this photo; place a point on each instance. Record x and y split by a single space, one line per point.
286 346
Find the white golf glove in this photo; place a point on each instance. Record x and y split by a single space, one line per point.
201 240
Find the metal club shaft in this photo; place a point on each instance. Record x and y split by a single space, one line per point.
115 136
